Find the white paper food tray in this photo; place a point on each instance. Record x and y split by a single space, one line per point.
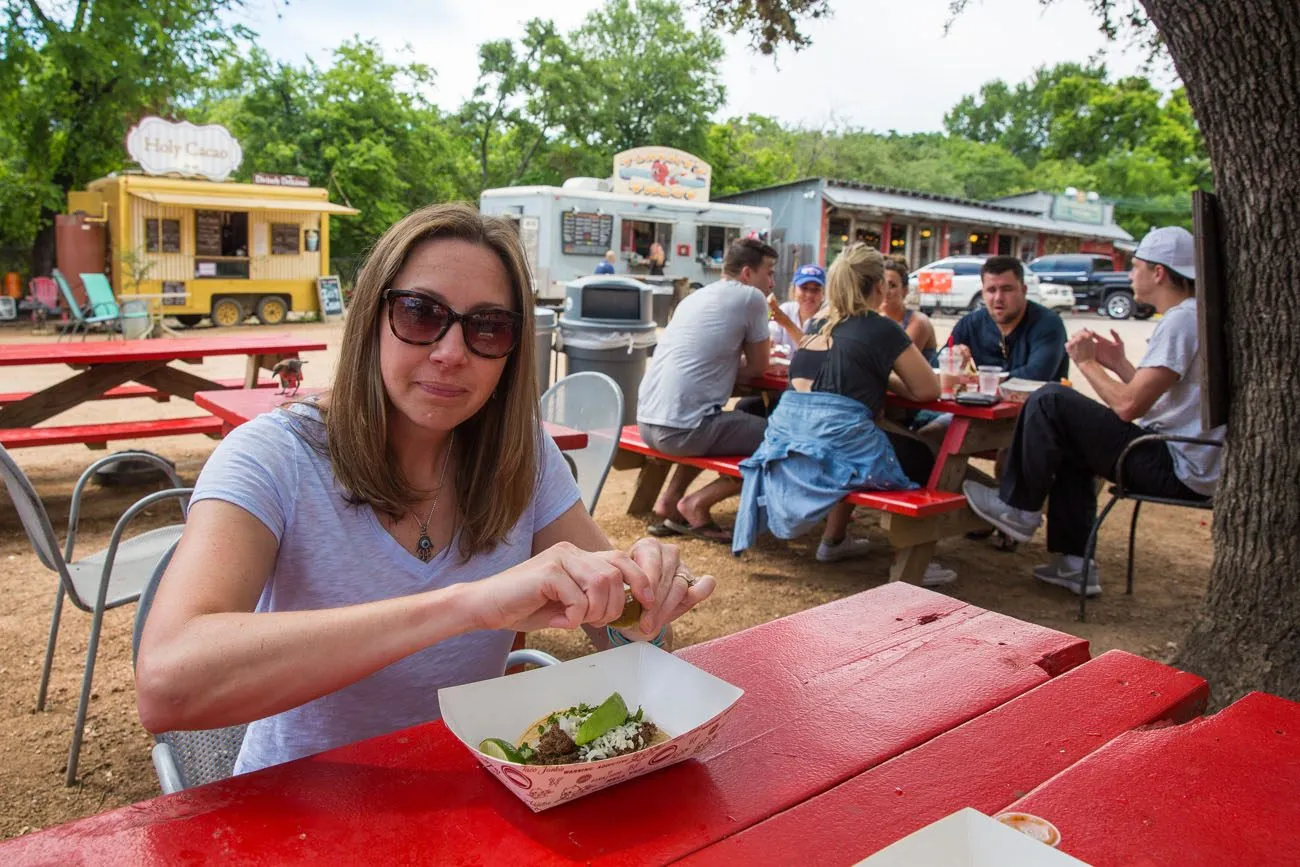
687 703
968 838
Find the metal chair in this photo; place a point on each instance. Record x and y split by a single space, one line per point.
1119 492
83 318
185 759
592 403
99 292
103 580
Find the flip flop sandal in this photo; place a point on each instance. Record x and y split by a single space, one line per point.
663 529
709 532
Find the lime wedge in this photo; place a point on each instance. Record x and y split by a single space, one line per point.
502 750
631 615
611 714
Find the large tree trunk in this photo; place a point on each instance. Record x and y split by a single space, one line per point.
1240 61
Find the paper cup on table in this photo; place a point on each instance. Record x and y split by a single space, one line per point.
686 703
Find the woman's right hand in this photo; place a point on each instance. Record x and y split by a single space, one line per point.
562 587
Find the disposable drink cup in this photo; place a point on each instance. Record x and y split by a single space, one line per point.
989 377
950 371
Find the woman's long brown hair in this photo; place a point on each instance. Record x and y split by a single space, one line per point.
496 448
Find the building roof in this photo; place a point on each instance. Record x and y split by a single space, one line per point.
911 203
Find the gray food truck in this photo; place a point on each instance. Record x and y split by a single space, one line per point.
655 195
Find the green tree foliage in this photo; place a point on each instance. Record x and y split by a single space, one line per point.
74 77
360 127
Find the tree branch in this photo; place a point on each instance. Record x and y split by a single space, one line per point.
80 17
46 24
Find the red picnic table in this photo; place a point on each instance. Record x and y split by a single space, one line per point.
106 367
948 704
236 407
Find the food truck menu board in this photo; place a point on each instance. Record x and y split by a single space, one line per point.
207 233
586 234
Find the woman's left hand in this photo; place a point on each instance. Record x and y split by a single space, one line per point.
676 589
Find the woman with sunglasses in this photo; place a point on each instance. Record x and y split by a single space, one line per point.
344 559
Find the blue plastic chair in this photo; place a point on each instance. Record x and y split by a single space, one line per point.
100 294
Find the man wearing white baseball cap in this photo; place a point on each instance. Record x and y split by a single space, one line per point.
1064 440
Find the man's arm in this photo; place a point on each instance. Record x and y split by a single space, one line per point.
757 356
1129 400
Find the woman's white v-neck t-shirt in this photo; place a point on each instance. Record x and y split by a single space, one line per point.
332 553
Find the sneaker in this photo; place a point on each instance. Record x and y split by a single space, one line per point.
847 549
1059 574
1016 523
937 576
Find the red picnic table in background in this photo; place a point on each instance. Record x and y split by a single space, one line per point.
862 720
236 407
105 369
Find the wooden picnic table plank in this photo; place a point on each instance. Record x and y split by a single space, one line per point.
1222 790
775 380
830 693
236 406
986 763
167 349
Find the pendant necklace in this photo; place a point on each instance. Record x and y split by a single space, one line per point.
424 547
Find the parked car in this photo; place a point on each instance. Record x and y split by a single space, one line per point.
1095 283
964 289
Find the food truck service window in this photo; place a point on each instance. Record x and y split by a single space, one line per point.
162 236
221 244
284 239
712 242
638 235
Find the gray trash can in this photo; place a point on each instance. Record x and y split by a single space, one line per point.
544 330
608 327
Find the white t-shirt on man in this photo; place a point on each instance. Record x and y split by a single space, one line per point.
1174 345
693 370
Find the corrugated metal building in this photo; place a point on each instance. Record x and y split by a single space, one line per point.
814 218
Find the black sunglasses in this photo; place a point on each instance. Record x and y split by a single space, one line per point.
421 320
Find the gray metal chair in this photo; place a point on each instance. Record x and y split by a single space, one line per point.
184 759
592 403
103 580
1119 492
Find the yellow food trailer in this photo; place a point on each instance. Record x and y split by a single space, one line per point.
205 248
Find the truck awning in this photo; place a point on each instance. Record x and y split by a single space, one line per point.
242 203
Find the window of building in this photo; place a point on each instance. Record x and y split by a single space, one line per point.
221 244
712 243
284 239
926 246
869 235
979 243
837 238
1006 245
638 235
897 240
958 242
162 235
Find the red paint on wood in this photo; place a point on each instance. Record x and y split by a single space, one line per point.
831 692
236 406
23 437
1218 791
921 503
123 392
779 380
987 764
170 349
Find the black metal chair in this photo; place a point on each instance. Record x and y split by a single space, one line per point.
1119 492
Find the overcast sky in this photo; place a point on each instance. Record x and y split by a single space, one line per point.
877 64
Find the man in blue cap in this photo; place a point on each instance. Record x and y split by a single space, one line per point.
1064 440
789 319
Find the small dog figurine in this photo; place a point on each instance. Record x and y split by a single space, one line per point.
289 372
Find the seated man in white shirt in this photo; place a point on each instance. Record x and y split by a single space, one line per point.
1064 440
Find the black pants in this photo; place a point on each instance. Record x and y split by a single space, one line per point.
1063 442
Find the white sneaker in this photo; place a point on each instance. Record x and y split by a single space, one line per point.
937 576
847 549
1059 574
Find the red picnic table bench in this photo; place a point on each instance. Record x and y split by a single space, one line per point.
914 520
106 371
233 408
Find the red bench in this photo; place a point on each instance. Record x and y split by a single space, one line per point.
97 436
922 503
135 390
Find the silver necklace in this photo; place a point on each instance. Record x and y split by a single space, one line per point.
424 547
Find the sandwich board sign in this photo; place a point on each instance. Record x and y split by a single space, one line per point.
330 291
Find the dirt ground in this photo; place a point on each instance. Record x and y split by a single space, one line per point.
772 580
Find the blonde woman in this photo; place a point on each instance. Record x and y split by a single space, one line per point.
343 560
821 441
893 303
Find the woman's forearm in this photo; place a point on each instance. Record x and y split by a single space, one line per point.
230 668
